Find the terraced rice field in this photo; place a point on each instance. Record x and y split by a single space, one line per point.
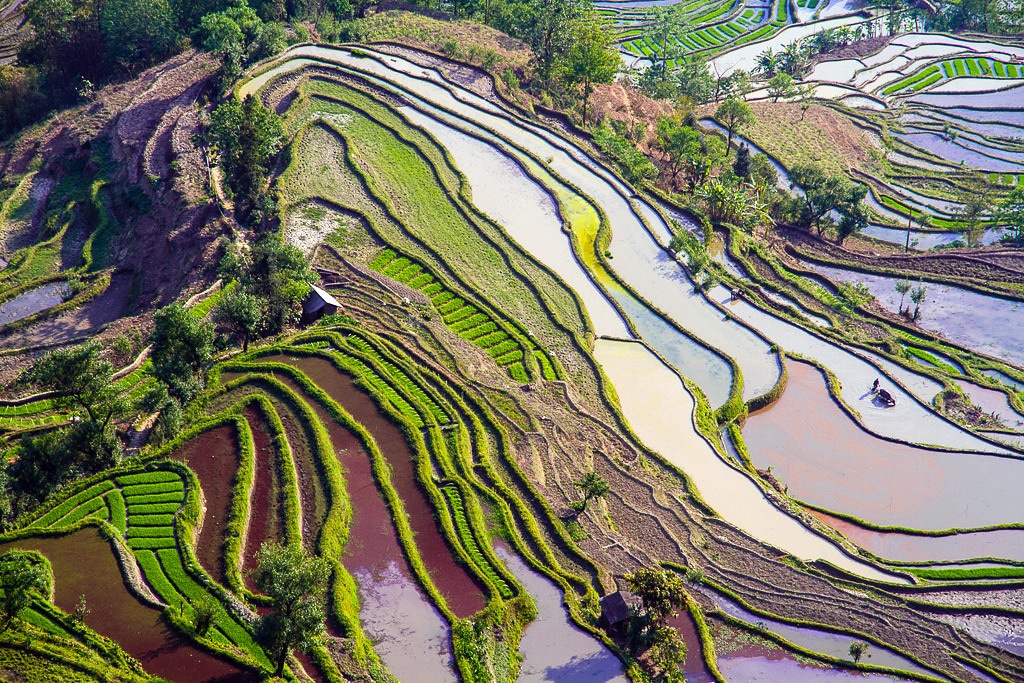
512 319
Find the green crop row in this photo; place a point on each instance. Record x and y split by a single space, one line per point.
146 489
153 543
469 542
84 510
403 380
479 331
150 520
457 313
73 502
152 477
152 508
967 574
146 499
150 532
909 81
118 512
31 408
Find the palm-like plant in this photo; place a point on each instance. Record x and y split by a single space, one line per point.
767 63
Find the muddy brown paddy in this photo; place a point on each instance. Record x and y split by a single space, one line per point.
213 456
459 589
84 565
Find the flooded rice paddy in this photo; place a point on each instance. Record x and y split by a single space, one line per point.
459 589
34 301
827 460
982 322
213 456
84 565
578 655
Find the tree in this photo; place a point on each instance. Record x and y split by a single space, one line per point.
857 649
694 79
767 63
138 32
182 347
853 214
663 24
589 60
242 312
677 142
296 583
734 114
917 295
741 167
1011 211
781 85
247 137
277 274
21 581
975 205
592 485
661 592
822 194
81 378
546 26
902 287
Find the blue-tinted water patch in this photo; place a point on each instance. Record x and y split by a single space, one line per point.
39 299
1003 378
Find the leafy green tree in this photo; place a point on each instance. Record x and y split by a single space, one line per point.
590 60
182 348
247 137
767 63
741 167
699 166
592 486
853 213
917 295
781 85
678 142
277 274
81 378
822 194
902 287
138 32
662 25
633 164
694 79
21 581
547 27
662 593
296 583
857 649
1010 212
734 114
243 313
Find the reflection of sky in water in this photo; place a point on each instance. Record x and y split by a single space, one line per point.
408 632
984 323
38 299
834 644
553 648
957 153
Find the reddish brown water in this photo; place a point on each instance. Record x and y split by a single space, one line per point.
459 589
84 564
409 633
1001 543
213 456
826 459
265 503
694 668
